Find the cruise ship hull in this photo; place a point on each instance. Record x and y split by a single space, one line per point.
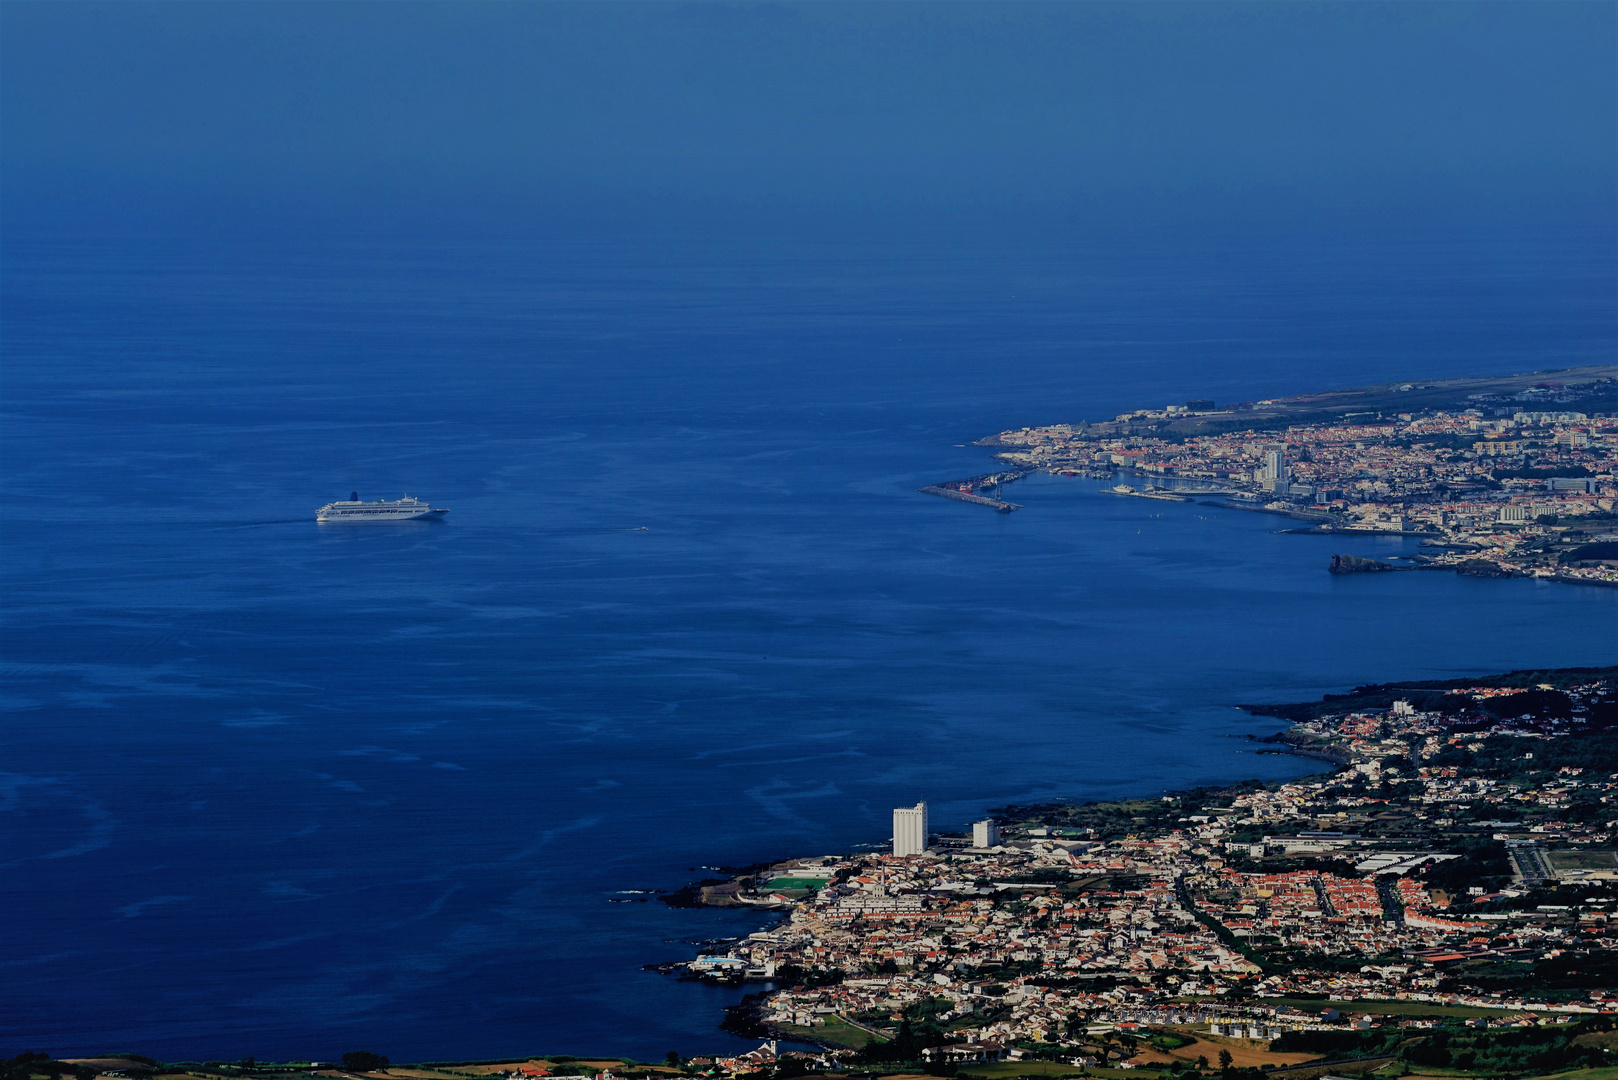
379 518
354 511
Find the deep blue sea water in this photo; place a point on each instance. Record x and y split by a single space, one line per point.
285 790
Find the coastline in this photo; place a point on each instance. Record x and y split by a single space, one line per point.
727 892
1073 840
1503 477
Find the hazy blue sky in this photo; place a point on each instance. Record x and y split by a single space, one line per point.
1179 109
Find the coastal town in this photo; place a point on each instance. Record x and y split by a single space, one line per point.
1439 900
1509 480
1455 870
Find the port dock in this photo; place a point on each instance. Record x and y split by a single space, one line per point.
966 496
969 488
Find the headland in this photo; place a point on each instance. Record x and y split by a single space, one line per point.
1447 886
1499 477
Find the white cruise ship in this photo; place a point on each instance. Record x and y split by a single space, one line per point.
356 512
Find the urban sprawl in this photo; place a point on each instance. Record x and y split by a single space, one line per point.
1508 483
1454 874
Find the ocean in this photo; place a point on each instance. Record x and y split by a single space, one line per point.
276 789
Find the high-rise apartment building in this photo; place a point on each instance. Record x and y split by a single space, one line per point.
985 834
1274 475
910 830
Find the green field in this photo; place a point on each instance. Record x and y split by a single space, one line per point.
834 1032
776 884
1582 860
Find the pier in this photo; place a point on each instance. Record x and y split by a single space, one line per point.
965 490
966 496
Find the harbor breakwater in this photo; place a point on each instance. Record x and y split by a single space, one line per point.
970 490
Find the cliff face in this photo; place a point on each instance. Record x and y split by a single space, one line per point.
1353 564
